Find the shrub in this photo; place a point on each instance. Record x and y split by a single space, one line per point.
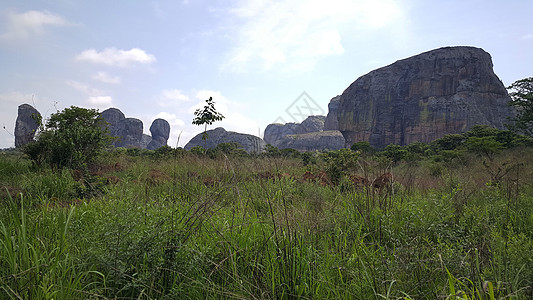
72 138
339 162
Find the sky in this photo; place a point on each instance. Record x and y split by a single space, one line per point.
261 61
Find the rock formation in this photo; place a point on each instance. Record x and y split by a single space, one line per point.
274 133
26 124
422 98
145 141
129 131
113 116
250 143
306 136
160 130
331 122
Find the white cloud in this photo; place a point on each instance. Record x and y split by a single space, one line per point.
96 97
171 98
115 57
30 23
295 34
84 88
106 78
101 102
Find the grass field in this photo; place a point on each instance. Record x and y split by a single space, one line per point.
184 226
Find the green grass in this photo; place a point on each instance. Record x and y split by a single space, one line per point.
189 227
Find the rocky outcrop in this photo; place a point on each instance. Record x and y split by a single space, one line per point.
113 116
422 98
250 143
129 131
160 131
145 141
26 124
331 122
274 133
323 140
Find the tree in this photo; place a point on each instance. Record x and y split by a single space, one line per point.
71 138
484 146
521 93
364 147
207 116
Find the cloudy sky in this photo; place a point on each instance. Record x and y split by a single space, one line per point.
162 59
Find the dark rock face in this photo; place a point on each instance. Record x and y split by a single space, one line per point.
113 116
422 98
128 130
25 125
145 141
274 133
331 122
160 130
322 140
250 143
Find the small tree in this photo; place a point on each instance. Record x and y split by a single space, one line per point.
207 116
71 138
521 93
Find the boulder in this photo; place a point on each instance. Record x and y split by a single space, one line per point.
424 97
331 122
113 116
250 143
311 124
274 133
145 141
160 130
322 140
26 124
130 132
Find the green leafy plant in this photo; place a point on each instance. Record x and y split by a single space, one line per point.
521 93
207 116
71 138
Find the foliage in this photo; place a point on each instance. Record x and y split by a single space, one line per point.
448 142
207 116
72 138
339 163
229 149
521 92
395 152
364 147
486 146
254 227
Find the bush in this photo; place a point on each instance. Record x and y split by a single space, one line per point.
72 138
339 162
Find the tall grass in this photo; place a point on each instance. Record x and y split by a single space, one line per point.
240 228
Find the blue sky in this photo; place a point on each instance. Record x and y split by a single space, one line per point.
156 59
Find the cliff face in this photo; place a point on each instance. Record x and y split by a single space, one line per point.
422 98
